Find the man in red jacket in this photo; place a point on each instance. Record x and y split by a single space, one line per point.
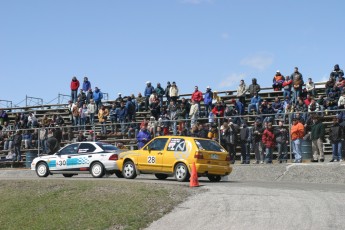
268 140
197 97
74 88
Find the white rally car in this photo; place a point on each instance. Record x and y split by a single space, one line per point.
96 158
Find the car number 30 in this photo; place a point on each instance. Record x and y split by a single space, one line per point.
151 159
60 163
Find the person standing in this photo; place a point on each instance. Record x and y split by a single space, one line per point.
317 136
268 140
193 113
103 114
336 137
297 83
86 85
160 93
167 92
74 88
197 97
254 88
144 136
17 141
174 94
208 97
147 93
282 140
297 133
97 98
245 139
241 92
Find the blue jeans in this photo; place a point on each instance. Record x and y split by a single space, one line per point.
92 118
282 151
245 152
336 150
18 153
256 107
74 95
286 93
296 149
268 157
296 94
104 128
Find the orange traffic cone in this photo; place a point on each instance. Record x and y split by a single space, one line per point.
194 182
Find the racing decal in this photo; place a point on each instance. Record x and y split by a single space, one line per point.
181 148
151 159
51 163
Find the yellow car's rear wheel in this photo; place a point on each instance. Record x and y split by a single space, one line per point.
181 172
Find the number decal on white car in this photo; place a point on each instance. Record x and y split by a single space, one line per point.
151 160
61 162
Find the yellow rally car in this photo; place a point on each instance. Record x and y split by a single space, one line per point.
174 156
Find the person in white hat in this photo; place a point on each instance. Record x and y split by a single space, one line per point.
278 80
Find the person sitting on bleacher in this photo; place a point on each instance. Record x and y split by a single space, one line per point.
337 72
340 83
218 110
302 108
277 108
329 85
278 80
330 103
310 87
254 103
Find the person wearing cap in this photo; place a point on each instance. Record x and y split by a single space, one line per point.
208 97
160 94
297 133
297 83
336 137
337 72
310 87
147 93
317 138
86 85
278 80
253 88
167 92
174 94
74 88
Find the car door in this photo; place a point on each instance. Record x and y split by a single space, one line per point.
63 160
85 156
151 157
178 149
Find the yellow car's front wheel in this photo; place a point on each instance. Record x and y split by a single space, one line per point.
128 170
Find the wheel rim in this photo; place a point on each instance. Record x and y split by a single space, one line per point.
96 169
181 172
128 170
41 170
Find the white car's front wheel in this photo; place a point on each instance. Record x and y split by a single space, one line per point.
97 170
42 169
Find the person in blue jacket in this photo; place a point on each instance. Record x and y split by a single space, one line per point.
144 136
97 98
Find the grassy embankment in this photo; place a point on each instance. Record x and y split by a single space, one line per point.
61 204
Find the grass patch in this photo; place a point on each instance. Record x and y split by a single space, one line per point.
103 204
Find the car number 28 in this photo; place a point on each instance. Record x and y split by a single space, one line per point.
151 159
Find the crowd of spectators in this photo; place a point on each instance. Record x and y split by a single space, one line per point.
172 114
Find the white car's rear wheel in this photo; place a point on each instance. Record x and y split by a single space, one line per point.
42 169
128 170
97 170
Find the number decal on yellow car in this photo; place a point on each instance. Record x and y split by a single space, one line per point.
151 160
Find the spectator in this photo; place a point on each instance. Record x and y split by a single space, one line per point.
164 123
213 132
3 117
81 137
297 80
83 115
113 118
194 131
118 99
203 130
254 103
287 87
17 141
147 93
60 121
89 96
336 137
86 85
32 121
74 88
140 102
172 111
208 96
218 110
82 97
277 107
91 110
152 126
193 113
329 85
174 94
197 97
341 100
282 139
130 106
340 83
91 136
160 93
229 138
181 115
167 92
307 101
337 72
313 106
43 135
310 87
133 129
121 116
75 113
268 140
302 108
241 92
57 133
155 108
245 140
278 80
187 107
97 98
297 133
254 88
144 136
317 138
103 114
153 97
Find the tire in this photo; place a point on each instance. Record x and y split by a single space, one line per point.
128 170
118 174
42 169
181 172
97 170
214 178
161 176
68 175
